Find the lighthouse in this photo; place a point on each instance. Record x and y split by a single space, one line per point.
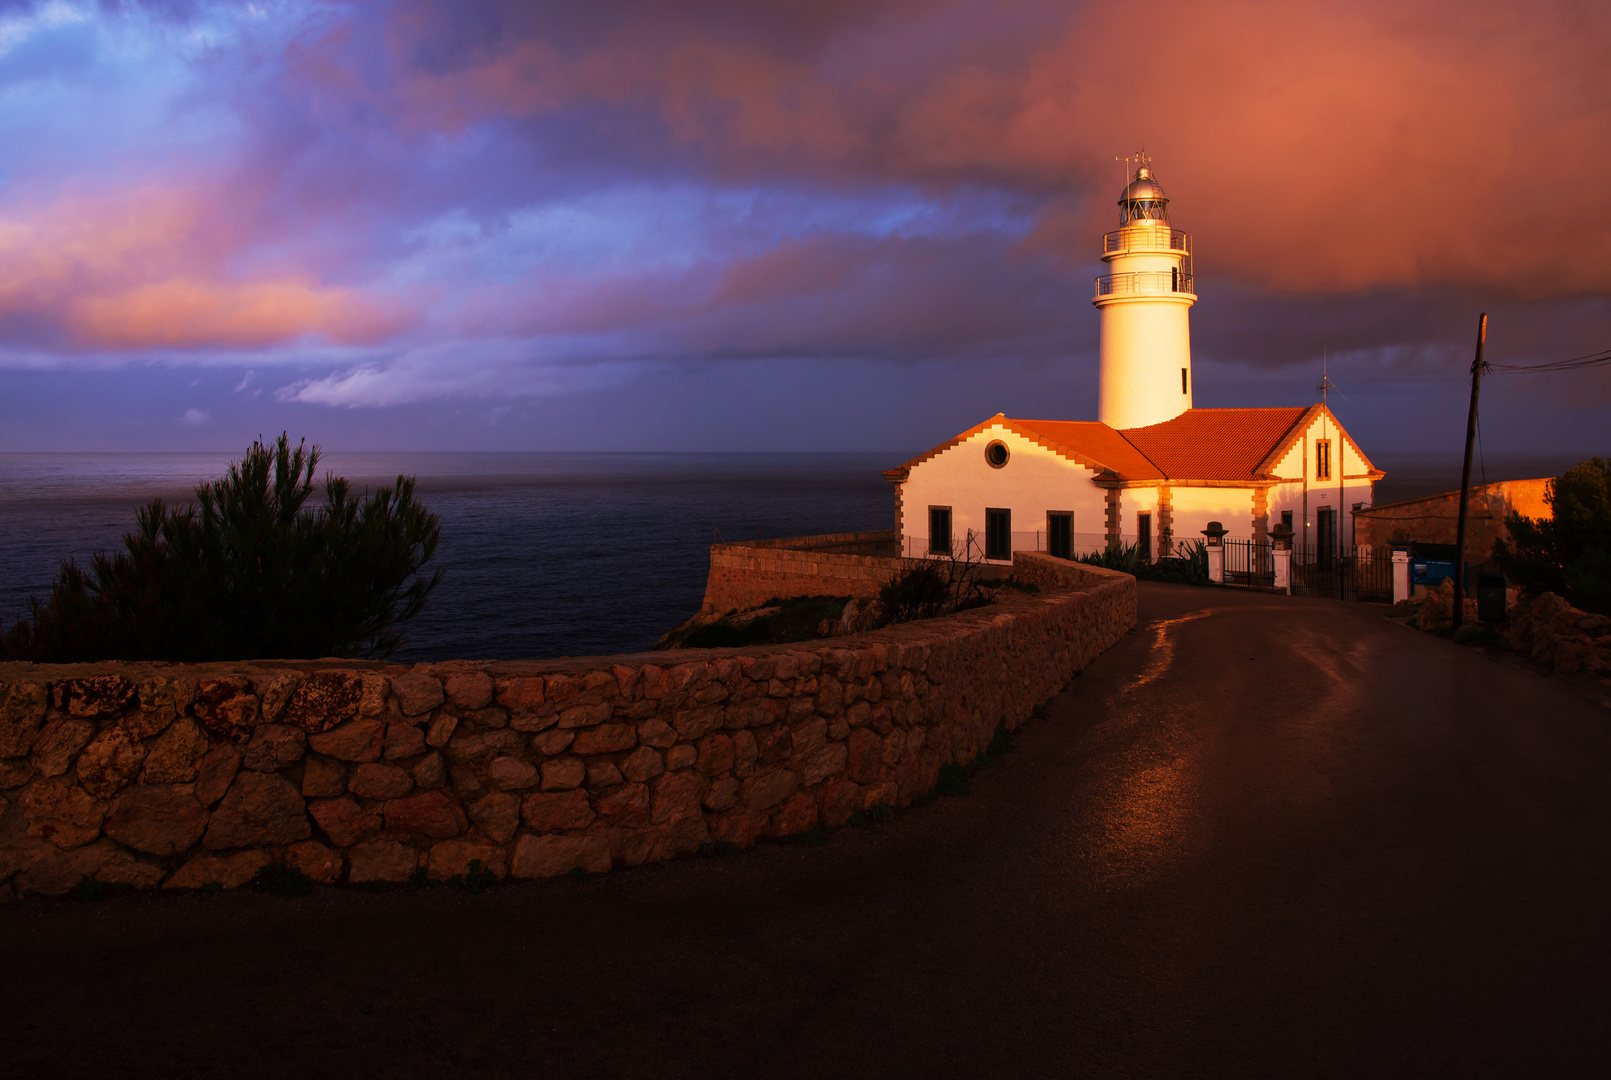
1146 341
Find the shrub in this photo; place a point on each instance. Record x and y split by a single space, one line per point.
1568 553
248 572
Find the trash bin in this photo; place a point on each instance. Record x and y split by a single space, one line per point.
1491 597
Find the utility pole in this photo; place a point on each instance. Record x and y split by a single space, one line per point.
1458 615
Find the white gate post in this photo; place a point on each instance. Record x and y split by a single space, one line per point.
1216 552
1281 553
1283 569
1401 575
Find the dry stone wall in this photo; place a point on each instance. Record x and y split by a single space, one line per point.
181 776
749 573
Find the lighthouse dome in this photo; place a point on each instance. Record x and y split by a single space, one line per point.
1143 199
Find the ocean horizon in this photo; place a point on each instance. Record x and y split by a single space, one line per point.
547 554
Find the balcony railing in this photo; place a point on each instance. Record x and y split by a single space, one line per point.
1125 241
1144 283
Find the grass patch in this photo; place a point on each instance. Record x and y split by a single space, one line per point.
211 887
881 812
1001 743
90 891
419 879
717 850
1480 635
581 873
476 880
280 880
814 837
953 780
794 619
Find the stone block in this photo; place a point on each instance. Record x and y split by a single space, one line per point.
324 701
59 743
656 733
381 860
681 756
441 730
826 761
603 774
723 793
22 714
226 708
323 778
429 813
274 693
417 693
430 771
585 715
469 689
164 820
403 741
766 789
676 796
64 814
273 747
551 856
109 761
642 764
344 821
315 861
176 755
715 755
556 811
562 774
98 697
216 772
605 739
15 772
627 806
373 780
498 815
230 871
552 742
356 740
864 760
512 774
260 808
795 816
119 867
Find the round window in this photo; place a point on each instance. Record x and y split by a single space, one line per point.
996 454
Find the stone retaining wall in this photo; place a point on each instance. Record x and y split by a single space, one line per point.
180 776
748 574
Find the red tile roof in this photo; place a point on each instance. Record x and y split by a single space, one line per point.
1216 444
1199 444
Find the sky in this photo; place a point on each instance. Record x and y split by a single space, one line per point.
793 225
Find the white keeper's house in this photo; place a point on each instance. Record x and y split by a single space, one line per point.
1151 470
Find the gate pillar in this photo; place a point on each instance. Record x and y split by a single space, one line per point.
1401 575
1216 552
1281 556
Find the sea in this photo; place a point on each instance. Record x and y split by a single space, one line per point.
546 554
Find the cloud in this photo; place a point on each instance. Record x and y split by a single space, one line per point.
196 418
418 201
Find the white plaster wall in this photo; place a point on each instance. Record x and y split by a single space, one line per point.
1034 481
1338 492
1145 343
1194 508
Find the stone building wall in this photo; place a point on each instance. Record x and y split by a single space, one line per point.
1435 518
179 776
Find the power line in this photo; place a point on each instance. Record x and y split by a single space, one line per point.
1592 360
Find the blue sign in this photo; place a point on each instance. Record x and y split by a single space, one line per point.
1430 571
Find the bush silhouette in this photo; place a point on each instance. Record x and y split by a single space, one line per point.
250 571
1569 552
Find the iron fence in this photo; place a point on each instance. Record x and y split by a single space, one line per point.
1249 562
1356 573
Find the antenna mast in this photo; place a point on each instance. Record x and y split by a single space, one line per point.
1325 383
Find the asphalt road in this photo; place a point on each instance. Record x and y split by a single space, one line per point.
1260 837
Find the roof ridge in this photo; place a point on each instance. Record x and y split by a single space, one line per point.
1143 453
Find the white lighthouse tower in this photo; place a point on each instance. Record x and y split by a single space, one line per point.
1146 340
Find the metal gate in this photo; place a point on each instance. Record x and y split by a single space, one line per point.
1348 574
1248 562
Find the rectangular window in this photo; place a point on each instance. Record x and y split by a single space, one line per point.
1144 537
940 530
1185 387
1286 518
1060 534
998 534
1322 459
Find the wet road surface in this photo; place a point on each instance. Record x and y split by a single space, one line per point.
1260 837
